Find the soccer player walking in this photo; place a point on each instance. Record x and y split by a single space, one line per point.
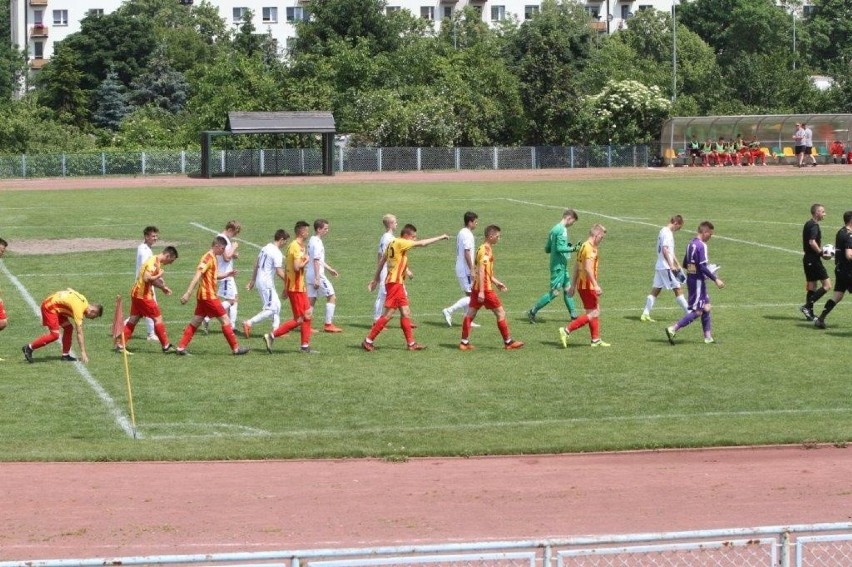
295 263
842 268
667 274
207 303
390 223
698 271
559 248
585 281
483 294
812 262
269 263
143 302
227 286
65 309
318 283
465 246
150 235
396 258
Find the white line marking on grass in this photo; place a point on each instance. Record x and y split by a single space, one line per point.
118 415
202 430
632 221
208 229
573 420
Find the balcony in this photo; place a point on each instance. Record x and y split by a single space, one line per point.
38 2
39 30
37 63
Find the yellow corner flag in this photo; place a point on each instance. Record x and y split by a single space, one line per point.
118 336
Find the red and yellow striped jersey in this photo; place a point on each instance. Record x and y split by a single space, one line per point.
484 259
69 303
142 289
295 278
397 259
207 286
588 251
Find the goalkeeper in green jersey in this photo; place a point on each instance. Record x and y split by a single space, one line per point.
559 249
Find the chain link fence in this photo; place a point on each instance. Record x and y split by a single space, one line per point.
812 545
308 161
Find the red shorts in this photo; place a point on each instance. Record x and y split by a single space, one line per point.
299 303
395 296
209 308
491 300
53 320
2 311
589 297
140 307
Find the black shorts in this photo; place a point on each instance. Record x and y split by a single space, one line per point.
814 269
807 150
843 283
798 149
695 152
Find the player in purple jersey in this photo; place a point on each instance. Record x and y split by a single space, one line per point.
698 271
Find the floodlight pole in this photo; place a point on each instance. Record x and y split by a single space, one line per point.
674 52
793 12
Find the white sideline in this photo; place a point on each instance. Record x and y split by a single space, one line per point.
208 229
118 415
656 225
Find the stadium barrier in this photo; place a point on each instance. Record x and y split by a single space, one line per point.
299 161
811 545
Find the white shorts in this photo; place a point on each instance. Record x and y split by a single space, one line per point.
325 288
465 282
227 288
270 298
665 279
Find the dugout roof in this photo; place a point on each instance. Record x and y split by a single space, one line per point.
280 123
773 130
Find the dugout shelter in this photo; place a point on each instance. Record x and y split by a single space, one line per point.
274 123
773 131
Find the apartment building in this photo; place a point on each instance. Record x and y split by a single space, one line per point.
38 24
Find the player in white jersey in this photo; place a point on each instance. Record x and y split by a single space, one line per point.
389 222
227 291
668 273
465 249
317 284
150 236
270 263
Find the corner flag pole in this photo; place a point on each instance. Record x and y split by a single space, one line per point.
118 334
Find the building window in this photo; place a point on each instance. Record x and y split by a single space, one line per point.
95 12
239 14
391 9
625 12
446 11
296 13
645 7
427 12
498 13
60 17
38 50
530 11
808 10
38 18
270 15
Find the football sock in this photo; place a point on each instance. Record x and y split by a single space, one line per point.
542 302
829 305
45 339
578 322
569 303
681 300
228 331
405 323
329 313
285 328
687 319
66 339
466 327
160 330
649 304
595 328
504 329
460 304
705 324
188 332
377 327
816 295
305 332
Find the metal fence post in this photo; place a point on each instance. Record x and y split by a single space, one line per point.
23 165
183 162
419 158
103 163
379 159
784 550
494 158
340 167
262 162
64 167
143 163
571 157
532 158
458 158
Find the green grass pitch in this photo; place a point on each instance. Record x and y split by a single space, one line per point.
771 378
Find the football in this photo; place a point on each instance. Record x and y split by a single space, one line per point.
828 251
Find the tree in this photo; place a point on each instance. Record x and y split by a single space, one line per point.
627 112
347 20
160 85
26 127
12 60
547 55
112 104
828 31
59 87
